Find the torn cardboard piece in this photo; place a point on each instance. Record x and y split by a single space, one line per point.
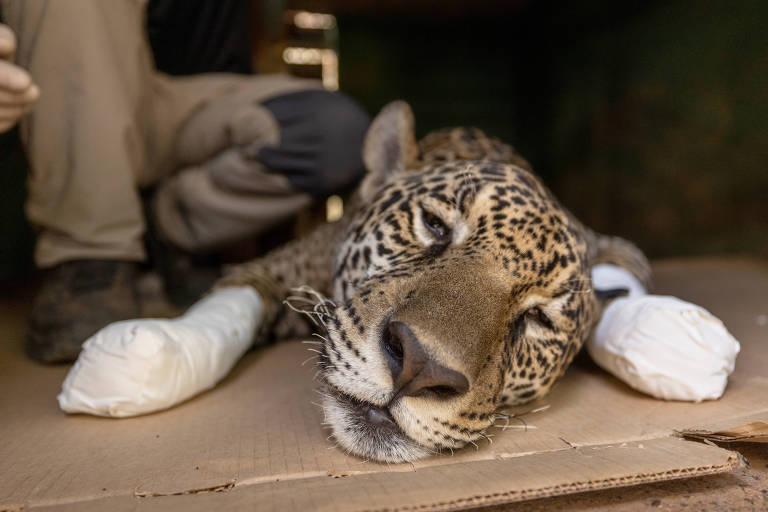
755 432
258 438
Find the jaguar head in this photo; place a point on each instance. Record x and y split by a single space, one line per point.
462 286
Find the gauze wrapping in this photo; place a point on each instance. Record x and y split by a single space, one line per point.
140 366
662 346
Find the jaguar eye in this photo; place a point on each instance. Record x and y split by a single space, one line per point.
537 315
436 227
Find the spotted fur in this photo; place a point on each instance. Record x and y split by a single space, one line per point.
457 238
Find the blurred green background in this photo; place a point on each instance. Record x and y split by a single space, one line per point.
648 119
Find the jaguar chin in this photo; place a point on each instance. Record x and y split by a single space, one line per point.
368 430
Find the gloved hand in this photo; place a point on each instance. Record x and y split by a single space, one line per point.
18 93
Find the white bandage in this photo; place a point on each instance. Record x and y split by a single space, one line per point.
145 365
662 346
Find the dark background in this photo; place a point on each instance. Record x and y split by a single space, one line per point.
648 119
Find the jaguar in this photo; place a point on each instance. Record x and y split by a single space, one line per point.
454 286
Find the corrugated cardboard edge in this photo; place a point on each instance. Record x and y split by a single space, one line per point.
496 482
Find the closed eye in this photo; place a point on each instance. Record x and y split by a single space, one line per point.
536 314
436 227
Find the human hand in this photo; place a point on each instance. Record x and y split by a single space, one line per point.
18 93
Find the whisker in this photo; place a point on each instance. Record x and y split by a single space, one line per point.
309 359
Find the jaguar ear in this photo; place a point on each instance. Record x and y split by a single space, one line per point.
390 146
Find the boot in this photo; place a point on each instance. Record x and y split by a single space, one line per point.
76 299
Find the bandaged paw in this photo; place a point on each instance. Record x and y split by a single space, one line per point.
662 346
146 365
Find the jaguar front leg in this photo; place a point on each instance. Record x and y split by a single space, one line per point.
307 261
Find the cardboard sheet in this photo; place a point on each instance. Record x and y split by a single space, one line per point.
257 439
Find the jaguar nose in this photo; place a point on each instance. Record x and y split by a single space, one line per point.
414 372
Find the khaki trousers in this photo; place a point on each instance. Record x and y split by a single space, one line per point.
108 123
